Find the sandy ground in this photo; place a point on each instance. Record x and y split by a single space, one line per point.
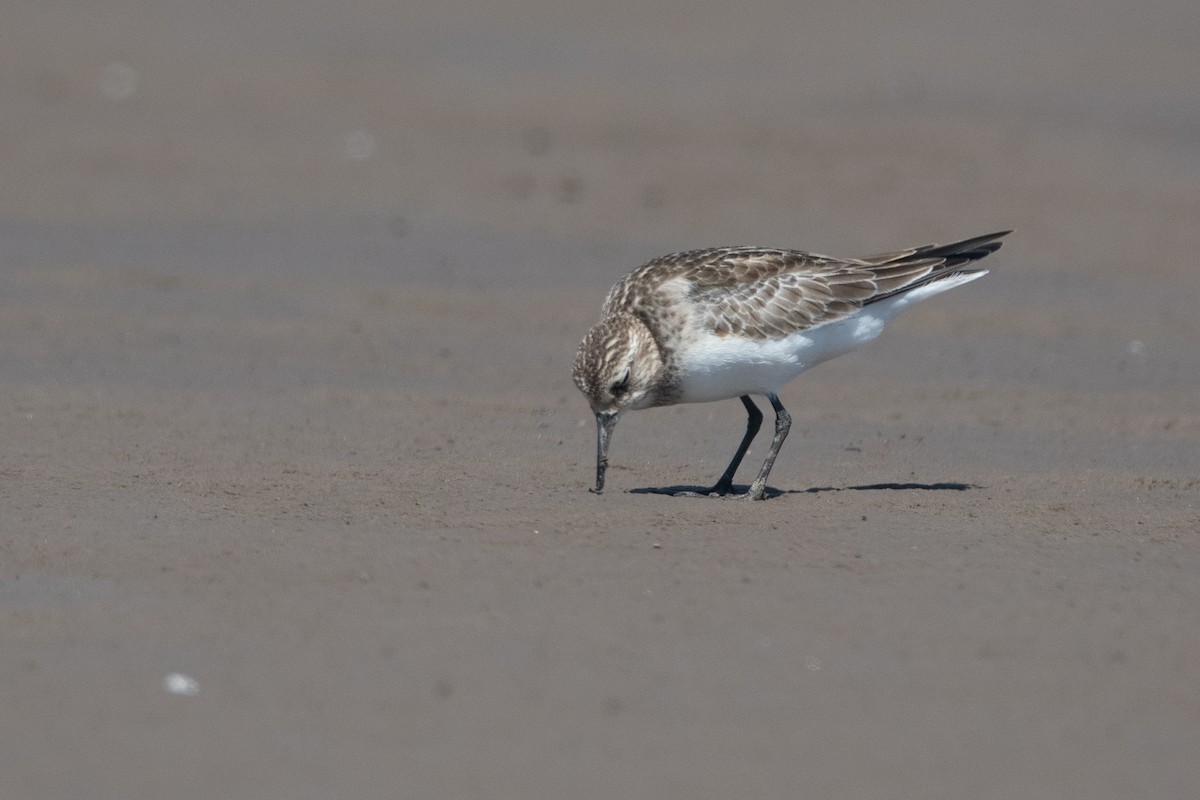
288 300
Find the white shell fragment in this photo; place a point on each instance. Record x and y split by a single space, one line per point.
178 683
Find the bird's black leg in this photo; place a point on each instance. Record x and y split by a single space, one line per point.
783 423
754 420
725 483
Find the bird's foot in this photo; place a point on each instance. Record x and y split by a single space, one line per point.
701 493
725 490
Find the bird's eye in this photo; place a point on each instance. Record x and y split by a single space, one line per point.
621 385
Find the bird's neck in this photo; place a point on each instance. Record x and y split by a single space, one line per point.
652 365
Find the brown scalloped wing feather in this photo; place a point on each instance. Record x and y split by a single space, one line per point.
761 293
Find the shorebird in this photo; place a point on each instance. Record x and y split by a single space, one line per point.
729 322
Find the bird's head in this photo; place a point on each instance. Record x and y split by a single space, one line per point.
618 369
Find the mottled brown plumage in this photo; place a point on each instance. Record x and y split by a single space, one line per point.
734 321
762 292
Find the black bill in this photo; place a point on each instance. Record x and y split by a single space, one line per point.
605 423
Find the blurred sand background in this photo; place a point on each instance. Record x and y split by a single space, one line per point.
289 294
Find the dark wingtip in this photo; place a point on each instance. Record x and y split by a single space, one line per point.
991 243
961 252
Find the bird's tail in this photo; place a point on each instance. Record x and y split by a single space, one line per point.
905 270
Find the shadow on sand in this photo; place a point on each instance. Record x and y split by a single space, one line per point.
692 491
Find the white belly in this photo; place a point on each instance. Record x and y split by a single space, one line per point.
720 367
